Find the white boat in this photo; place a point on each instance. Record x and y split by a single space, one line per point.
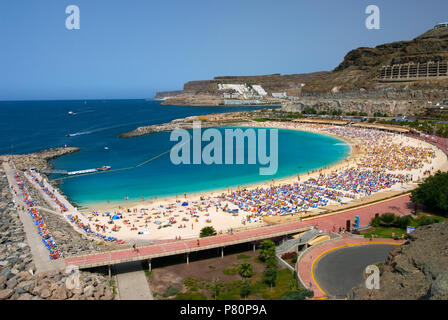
103 168
70 113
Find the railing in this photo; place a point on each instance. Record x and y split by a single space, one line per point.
137 256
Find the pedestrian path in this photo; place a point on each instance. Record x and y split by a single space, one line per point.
40 254
131 281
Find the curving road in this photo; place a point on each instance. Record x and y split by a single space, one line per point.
340 270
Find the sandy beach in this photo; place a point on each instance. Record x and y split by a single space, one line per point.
171 218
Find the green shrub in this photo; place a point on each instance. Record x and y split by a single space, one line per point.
191 284
226 296
387 219
207 232
403 221
375 222
294 259
171 291
230 272
191 296
298 295
426 220
433 193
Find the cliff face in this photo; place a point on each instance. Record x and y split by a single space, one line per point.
368 106
393 98
361 66
351 86
162 95
412 271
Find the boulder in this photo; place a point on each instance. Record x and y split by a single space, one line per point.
439 288
45 293
25 296
5 294
59 294
88 291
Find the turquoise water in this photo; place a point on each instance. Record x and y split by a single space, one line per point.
298 152
40 125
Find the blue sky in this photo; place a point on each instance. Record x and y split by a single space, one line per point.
131 49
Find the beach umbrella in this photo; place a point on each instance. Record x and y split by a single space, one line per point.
115 217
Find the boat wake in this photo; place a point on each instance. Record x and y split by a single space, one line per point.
102 129
71 113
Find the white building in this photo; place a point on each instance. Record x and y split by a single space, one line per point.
279 95
441 25
259 89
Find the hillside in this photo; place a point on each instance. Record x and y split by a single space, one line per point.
353 79
413 272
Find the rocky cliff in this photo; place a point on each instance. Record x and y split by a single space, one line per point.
162 95
352 85
412 271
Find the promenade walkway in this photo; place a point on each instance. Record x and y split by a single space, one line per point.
400 206
40 253
307 261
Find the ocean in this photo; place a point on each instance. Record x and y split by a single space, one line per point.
95 124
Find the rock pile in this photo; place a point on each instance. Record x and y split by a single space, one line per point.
18 279
40 159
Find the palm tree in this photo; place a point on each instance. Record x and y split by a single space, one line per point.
216 287
245 289
267 250
270 276
246 270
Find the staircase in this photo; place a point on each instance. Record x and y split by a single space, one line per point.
307 236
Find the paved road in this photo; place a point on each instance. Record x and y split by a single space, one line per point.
310 258
339 271
40 253
132 283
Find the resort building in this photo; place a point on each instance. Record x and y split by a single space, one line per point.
441 25
279 95
414 71
259 89
440 107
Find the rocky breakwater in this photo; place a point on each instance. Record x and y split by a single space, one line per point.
416 270
39 159
208 121
70 241
18 280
